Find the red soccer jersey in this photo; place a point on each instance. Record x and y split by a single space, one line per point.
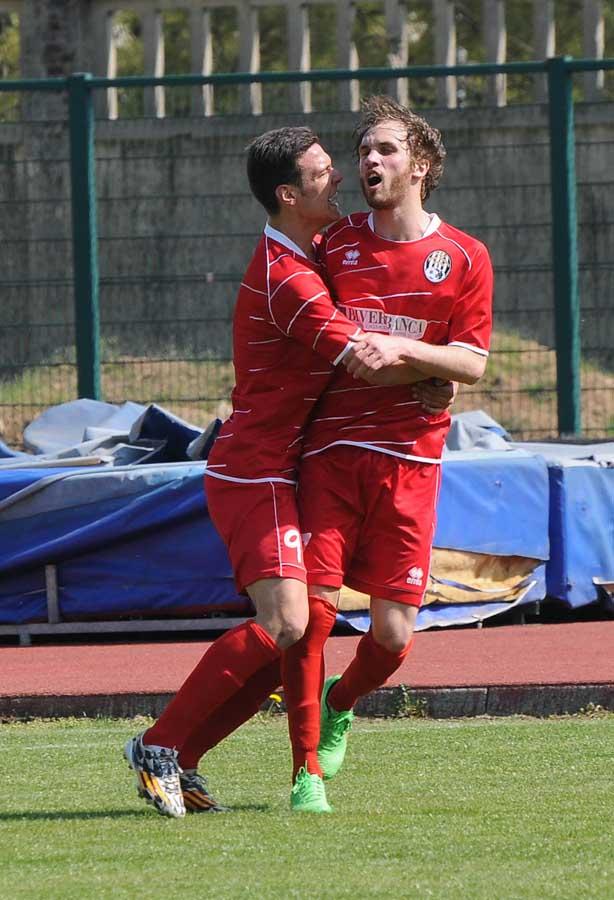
287 338
437 289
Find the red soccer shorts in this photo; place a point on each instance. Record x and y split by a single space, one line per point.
259 525
368 521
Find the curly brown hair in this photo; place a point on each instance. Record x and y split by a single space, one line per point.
424 142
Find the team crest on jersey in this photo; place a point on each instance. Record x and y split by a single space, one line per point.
437 266
351 258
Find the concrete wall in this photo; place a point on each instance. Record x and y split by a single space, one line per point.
177 224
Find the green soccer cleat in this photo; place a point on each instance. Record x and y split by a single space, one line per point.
334 727
308 794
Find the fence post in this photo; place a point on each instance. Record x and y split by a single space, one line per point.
84 234
564 245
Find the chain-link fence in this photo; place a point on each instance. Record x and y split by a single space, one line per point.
37 338
125 241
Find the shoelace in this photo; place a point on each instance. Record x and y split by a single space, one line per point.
317 787
306 783
163 763
195 783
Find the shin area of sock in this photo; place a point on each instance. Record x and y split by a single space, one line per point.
302 677
370 669
240 707
223 670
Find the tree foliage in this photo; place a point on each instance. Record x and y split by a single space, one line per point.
369 36
9 62
371 41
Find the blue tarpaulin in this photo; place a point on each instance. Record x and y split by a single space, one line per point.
581 529
125 541
137 540
494 502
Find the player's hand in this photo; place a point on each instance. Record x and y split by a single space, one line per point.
435 395
372 353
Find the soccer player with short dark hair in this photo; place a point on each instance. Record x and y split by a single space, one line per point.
288 340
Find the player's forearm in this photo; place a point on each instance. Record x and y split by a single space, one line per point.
448 363
398 373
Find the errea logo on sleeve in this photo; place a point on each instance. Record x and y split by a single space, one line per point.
415 576
351 258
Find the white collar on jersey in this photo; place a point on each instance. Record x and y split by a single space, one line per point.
282 238
431 228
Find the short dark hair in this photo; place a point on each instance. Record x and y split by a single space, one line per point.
424 142
272 159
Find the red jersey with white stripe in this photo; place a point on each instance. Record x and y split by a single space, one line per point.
287 338
436 289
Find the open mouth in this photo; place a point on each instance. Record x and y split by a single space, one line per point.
374 179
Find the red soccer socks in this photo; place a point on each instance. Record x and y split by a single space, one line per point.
370 669
223 670
240 707
303 677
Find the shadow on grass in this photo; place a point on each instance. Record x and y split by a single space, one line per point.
68 815
249 807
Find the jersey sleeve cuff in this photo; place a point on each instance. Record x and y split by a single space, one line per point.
479 350
347 347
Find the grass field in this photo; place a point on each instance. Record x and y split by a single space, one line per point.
507 808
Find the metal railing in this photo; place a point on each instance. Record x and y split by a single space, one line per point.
81 89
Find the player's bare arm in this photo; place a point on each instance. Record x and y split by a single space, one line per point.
435 394
372 353
392 368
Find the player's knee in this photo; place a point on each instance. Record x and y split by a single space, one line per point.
394 641
393 645
292 627
289 634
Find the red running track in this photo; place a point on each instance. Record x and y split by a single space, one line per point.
577 653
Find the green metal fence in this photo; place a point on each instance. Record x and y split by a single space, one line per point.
125 242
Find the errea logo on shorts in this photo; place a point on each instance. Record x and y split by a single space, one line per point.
415 576
351 258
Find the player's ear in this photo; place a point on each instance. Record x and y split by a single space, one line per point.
286 194
421 167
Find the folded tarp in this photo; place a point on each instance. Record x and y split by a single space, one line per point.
66 425
134 540
581 518
94 433
7 453
494 501
581 531
138 539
